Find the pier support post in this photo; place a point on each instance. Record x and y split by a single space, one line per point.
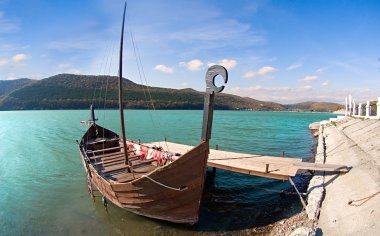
353 107
368 110
349 105
213 168
299 194
360 109
346 111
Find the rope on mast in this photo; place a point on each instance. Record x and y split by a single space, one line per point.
142 76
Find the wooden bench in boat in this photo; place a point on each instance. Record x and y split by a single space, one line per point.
116 156
115 168
110 154
104 150
116 160
101 140
122 165
137 173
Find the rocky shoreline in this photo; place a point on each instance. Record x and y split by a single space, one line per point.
342 204
337 204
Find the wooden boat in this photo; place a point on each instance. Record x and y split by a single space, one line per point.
146 180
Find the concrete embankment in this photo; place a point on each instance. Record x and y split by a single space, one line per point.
347 204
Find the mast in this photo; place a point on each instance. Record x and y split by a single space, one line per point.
121 106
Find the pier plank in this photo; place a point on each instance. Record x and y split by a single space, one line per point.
252 164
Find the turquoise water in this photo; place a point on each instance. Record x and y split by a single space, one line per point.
42 182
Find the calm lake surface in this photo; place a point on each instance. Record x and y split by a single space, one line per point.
42 181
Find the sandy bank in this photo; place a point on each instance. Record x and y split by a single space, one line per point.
351 202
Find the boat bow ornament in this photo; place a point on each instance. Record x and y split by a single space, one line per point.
211 89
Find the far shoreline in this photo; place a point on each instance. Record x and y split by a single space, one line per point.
135 109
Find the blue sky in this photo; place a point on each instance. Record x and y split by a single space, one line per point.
282 51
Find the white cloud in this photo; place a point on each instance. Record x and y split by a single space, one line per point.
213 32
184 84
322 69
326 83
7 47
228 64
3 62
262 71
294 66
250 74
237 90
68 68
11 77
164 69
310 78
19 57
192 65
71 45
287 95
74 71
307 87
8 26
64 66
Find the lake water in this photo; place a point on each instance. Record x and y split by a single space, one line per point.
42 181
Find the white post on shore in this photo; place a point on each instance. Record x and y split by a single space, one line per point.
346 112
349 105
360 108
353 107
368 110
378 108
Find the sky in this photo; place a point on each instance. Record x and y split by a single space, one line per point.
282 51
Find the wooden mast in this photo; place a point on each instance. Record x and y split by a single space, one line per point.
121 106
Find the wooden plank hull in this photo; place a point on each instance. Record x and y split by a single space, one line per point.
171 192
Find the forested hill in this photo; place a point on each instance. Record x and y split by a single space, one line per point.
314 106
7 86
68 91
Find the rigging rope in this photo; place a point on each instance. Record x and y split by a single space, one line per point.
108 78
104 73
364 200
100 70
163 185
97 78
142 75
106 92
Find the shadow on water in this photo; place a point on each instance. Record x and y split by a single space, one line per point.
225 207
233 207
246 205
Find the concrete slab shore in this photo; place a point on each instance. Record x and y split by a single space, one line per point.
351 204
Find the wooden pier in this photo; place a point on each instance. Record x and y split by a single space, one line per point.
258 165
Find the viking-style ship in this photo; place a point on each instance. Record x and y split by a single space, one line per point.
147 180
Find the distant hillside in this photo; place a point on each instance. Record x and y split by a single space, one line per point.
314 107
7 86
68 91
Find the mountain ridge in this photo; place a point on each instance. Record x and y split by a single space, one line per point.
69 91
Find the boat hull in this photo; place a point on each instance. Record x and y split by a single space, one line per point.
172 192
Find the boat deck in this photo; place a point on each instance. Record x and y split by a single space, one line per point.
113 167
252 164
